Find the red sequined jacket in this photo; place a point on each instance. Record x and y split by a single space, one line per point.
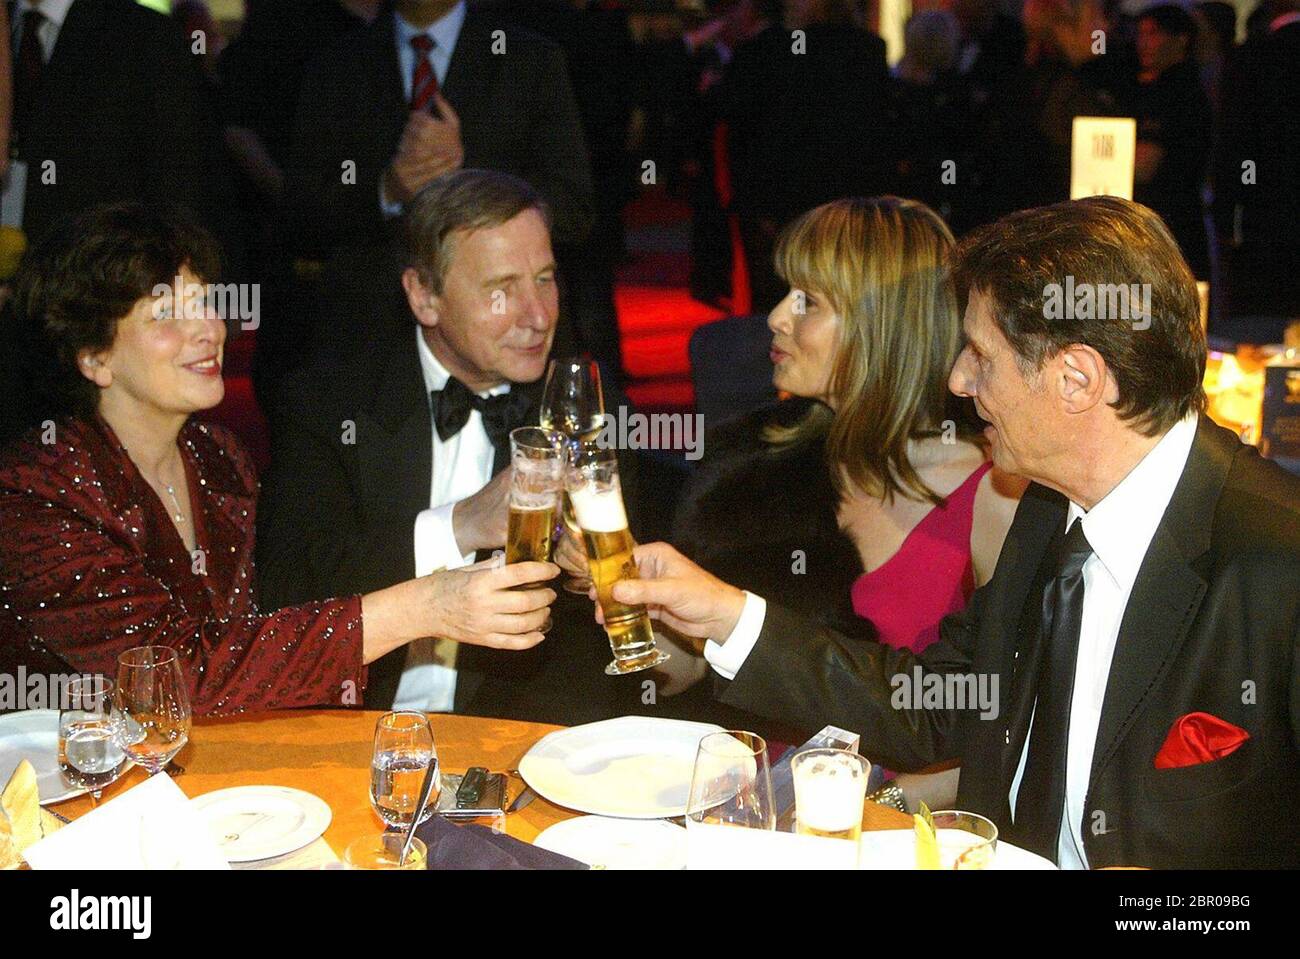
91 564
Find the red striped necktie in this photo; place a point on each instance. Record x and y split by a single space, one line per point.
424 82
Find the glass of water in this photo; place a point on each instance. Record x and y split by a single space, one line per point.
403 753
90 755
155 706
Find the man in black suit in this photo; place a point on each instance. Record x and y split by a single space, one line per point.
388 457
108 105
807 107
1257 181
1125 690
429 87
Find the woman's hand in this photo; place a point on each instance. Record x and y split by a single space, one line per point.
477 604
481 605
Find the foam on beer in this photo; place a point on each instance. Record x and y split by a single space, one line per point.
599 508
828 795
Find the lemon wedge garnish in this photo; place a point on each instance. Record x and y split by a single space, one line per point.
927 843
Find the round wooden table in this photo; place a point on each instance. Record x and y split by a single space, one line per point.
327 753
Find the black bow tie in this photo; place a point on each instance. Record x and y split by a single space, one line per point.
453 403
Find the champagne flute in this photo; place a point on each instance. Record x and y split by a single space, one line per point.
90 755
155 706
403 751
572 402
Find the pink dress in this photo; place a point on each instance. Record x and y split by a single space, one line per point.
929 577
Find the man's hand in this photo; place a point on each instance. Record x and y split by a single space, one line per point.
681 594
480 521
480 604
429 147
570 555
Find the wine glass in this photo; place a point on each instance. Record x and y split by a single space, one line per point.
90 755
154 706
731 784
402 754
572 402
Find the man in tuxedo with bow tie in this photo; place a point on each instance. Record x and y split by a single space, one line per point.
1141 634
390 461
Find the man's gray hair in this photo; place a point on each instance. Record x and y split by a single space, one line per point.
462 201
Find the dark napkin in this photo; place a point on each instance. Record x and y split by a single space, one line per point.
478 847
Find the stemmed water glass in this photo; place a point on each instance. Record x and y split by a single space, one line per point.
402 754
154 705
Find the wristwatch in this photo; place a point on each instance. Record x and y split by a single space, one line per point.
890 794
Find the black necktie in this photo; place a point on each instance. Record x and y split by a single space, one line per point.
453 403
1040 802
29 62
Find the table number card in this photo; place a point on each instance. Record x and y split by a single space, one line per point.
1101 157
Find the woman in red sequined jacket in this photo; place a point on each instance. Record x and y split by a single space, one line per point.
125 523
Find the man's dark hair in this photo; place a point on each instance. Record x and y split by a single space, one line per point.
462 201
1104 244
86 274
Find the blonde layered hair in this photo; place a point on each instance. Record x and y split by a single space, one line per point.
883 264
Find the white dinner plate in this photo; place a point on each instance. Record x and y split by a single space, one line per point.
896 849
34 735
605 843
261 822
633 767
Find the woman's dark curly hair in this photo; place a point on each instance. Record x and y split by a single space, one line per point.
87 273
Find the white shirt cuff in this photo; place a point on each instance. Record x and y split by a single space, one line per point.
435 541
727 657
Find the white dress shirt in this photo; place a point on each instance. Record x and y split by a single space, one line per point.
462 465
1119 528
13 190
444 32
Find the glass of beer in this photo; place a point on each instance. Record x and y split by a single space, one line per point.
538 458
966 840
593 487
830 786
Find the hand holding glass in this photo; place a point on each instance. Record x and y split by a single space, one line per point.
593 486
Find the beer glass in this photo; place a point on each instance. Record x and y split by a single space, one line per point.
830 786
966 840
572 402
538 457
592 485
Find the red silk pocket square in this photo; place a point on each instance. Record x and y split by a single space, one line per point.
1199 738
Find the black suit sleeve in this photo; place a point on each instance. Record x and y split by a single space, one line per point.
311 541
808 675
558 166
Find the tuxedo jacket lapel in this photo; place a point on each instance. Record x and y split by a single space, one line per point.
395 433
1168 590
